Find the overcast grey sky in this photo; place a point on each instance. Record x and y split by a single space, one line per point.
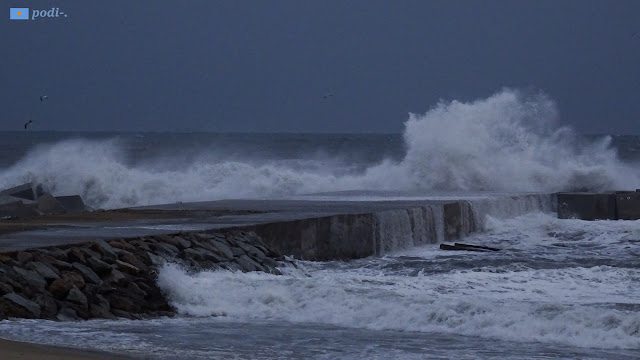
263 66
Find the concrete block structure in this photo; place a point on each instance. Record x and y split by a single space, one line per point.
628 205
614 205
587 206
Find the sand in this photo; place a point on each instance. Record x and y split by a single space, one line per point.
14 350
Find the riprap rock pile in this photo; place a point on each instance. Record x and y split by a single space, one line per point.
117 278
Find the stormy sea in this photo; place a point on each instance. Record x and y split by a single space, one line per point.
561 289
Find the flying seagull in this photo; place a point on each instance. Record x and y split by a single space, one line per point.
325 97
43 98
26 125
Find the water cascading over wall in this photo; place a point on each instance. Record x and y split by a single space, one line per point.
406 228
401 229
350 236
512 206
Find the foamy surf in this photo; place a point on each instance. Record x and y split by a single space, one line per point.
512 306
557 289
557 282
507 142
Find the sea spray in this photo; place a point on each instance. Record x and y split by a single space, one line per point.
508 142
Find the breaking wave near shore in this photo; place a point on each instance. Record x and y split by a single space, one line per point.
453 302
551 284
507 142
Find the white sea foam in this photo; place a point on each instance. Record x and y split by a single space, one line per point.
559 298
507 142
567 282
553 306
541 236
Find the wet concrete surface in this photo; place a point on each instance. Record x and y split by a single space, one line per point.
172 218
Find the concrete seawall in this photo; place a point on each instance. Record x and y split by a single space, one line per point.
613 205
77 278
352 236
349 236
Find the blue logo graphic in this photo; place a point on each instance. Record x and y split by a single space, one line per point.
19 14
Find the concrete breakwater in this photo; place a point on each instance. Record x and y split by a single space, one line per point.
117 278
612 205
350 236
30 200
109 278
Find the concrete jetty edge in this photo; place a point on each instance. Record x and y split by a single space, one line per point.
117 277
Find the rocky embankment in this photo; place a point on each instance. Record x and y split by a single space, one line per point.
117 278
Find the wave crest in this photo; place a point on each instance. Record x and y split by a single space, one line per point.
508 142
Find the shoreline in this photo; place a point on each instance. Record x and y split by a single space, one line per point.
19 350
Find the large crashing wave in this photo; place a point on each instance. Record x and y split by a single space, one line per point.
507 142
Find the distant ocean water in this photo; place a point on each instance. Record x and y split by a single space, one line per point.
562 289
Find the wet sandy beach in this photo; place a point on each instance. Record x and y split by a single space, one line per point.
14 350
